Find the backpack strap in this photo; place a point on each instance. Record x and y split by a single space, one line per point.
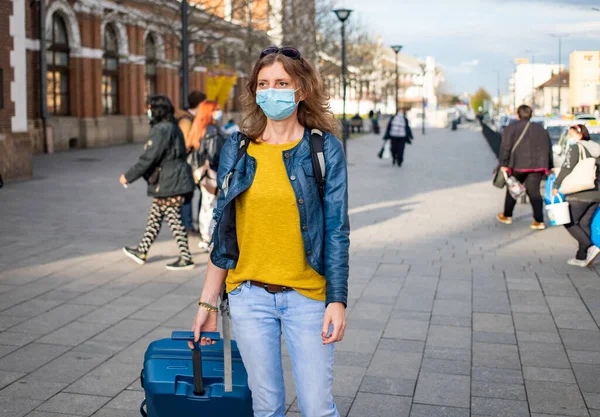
242 148
318 159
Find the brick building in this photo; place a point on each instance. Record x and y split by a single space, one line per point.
103 59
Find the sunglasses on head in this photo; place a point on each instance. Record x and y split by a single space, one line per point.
290 52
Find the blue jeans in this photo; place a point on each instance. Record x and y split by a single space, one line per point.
258 318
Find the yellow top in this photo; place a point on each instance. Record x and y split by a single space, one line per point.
268 229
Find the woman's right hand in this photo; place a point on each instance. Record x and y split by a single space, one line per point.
203 322
554 192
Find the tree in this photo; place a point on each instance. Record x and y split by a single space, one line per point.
479 98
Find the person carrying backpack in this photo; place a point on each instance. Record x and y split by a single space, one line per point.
583 204
281 239
185 120
206 126
169 179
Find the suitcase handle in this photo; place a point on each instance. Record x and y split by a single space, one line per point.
183 335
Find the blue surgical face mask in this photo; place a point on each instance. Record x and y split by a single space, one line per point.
276 103
149 113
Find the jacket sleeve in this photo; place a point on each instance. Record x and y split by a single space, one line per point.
226 162
337 224
505 148
153 151
387 129
409 133
571 159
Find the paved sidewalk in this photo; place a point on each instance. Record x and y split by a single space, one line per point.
450 314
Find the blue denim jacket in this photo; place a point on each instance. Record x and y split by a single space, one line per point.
324 225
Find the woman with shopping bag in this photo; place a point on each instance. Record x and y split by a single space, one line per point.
578 181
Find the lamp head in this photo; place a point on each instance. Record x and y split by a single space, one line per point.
397 48
342 14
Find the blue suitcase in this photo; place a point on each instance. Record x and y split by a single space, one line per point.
179 382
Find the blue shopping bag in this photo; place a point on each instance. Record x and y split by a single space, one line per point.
595 228
548 199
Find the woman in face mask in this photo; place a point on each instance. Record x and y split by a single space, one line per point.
169 179
582 205
210 139
282 250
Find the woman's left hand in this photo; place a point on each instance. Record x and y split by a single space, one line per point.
122 180
335 315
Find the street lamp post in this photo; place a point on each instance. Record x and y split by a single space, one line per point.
185 68
560 38
343 15
397 49
423 98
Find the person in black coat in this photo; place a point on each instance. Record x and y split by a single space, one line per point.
398 131
531 160
163 165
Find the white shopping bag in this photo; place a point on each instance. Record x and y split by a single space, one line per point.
558 213
387 151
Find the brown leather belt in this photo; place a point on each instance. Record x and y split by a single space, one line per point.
272 288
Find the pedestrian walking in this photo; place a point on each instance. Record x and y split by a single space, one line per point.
185 119
399 133
525 154
282 250
206 126
583 204
169 179
374 122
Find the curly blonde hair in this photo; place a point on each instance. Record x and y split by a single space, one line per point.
313 112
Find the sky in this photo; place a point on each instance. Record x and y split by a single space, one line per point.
473 40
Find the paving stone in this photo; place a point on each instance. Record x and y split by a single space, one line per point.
420 410
496 356
493 323
73 333
68 367
107 380
496 407
32 308
441 366
370 312
581 356
83 405
555 397
16 339
543 355
342 404
463 354
581 339
443 389
588 377
452 308
548 374
367 404
534 322
400 345
7 378
388 385
54 319
31 357
410 315
16 407
32 388
453 337
538 337
362 341
406 329
500 338
346 380
508 376
498 390
352 359
112 412
392 364
592 400
127 400
453 321
126 331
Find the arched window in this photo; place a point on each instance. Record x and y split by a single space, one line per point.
151 62
57 56
110 72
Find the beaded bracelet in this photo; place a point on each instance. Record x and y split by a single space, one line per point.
208 307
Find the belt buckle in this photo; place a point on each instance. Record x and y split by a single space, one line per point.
269 288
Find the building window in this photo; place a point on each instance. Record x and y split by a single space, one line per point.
110 72
57 56
151 62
